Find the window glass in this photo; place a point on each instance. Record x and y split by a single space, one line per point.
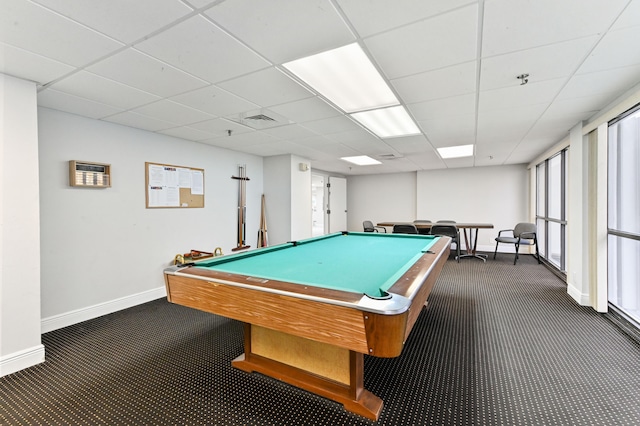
541 197
555 187
624 175
624 275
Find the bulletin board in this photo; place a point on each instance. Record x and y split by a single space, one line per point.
170 186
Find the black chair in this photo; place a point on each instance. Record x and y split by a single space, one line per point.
448 230
422 230
523 233
368 227
405 228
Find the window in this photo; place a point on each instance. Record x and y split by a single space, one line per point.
624 214
551 207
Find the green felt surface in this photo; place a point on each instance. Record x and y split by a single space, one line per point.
366 263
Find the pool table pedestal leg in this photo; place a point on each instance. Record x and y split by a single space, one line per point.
326 370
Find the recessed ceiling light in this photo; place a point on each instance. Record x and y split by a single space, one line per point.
456 151
388 122
361 160
346 77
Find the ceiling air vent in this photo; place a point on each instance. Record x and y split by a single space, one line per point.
260 119
389 156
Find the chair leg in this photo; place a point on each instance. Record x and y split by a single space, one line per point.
517 249
495 252
458 250
535 239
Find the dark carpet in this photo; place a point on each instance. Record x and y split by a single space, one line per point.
498 345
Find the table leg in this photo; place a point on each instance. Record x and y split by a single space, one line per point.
472 252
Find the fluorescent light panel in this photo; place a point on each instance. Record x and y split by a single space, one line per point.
346 77
456 151
361 160
388 122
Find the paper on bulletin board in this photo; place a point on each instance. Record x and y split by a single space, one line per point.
174 186
163 186
197 182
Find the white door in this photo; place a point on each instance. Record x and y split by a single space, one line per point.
317 205
337 204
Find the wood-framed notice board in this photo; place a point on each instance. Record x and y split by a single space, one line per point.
169 186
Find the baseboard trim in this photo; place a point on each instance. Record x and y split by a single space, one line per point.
73 317
20 360
577 295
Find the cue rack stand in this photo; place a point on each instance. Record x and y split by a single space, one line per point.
242 207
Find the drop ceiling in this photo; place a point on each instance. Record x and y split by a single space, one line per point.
197 69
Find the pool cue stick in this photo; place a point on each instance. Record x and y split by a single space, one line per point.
242 209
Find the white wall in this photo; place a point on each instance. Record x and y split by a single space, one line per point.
301 203
102 249
380 198
497 195
20 344
287 198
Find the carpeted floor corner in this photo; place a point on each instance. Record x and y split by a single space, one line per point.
498 345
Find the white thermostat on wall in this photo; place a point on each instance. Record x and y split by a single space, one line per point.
90 175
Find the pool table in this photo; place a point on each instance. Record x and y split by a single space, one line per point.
313 308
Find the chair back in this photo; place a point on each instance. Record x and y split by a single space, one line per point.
368 226
446 230
405 228
525 230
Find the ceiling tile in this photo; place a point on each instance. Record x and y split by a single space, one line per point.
456 163
328 126
36 29
355 134
427 160
266 87
76 105
143 72
520 95
188 133
240 140
450 131
333 150
173 112
290 132
203 50
283 30
614 81
512 25
268 149
442 41
541 63
221 127
139 121
410 144
309 109
215 101
613 51
629 18
445 107
371 147
507 125
30 66
124 20
103 90
373 17
451 81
